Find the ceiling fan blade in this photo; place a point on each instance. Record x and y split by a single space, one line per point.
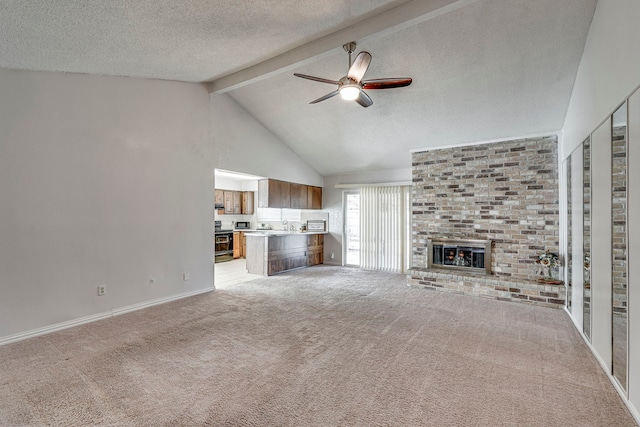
359 66
327 96
386 83
364 100
317 79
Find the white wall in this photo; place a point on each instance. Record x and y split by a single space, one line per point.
223 183
102 181
332 203
243 144
609 72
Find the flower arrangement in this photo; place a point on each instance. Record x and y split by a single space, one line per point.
548 260
587 271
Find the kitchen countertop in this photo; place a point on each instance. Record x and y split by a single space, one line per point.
279 233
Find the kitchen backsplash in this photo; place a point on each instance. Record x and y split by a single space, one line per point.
273 218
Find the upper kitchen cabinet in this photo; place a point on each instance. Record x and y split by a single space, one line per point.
219 199
314 197
235 202
274 194
280 194
247 203
299 196
228 202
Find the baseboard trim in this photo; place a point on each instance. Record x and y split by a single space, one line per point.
53 328
616 385
95 317
333 264
623 395
574 321
146 304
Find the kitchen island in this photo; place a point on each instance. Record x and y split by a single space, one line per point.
273 252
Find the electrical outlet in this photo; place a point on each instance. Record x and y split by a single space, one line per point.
102 290
185 276
332 256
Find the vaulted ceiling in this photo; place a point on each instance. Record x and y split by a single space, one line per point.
481 69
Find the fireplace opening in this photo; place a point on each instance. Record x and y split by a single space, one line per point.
468 255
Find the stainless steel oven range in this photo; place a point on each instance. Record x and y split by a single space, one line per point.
223 242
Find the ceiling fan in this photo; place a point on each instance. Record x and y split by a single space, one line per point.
350 87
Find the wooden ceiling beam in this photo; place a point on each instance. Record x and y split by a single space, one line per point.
403 16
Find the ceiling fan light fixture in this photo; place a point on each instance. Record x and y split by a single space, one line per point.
351 87
349 92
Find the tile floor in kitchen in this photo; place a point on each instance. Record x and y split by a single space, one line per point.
231 273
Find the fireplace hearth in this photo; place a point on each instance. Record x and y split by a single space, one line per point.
455 254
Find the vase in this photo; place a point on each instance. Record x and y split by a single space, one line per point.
549 273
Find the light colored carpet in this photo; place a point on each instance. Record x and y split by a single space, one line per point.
324 346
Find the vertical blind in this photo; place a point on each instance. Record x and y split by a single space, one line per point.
384 229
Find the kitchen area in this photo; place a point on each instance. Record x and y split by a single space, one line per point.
265 226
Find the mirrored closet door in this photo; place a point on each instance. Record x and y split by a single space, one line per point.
586 236
569 260
619 244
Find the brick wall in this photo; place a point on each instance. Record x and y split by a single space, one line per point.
506 192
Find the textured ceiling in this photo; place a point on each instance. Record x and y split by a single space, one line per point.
186 40
488 69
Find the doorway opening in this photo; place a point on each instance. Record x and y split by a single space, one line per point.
234 214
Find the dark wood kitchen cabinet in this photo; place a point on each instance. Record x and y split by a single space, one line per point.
315 252
273 254
273 193
314 197
299 196
286 253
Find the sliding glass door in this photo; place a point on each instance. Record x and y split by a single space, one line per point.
376 233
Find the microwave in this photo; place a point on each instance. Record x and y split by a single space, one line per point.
243 225
316 225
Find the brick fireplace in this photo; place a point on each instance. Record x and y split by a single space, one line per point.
504 192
